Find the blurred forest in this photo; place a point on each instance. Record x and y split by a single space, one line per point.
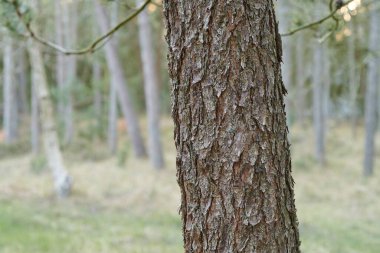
87 157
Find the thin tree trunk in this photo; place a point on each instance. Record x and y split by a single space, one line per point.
98 100
118 79
35 125
371 91
318 110
113 112
62 181
300 79
69 15
60 64
353 80
233 158
151 90
23 83
9 93
284 20
112 119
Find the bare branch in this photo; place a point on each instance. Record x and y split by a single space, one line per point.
89 49
315 23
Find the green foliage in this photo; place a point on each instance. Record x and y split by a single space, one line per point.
15 20
52 228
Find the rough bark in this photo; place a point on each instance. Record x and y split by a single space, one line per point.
371 94
318 110
118 79
9 93
233 158
151 90
62 181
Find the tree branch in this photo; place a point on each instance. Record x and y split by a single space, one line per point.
315 23
89 49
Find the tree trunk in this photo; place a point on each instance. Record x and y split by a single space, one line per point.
151 90
284 21
118 79
300 79
371 91
113 112
70 33
62 181
35 125
112 119
353 81
318 110
233 158
23 82
60 64
9 93
98 100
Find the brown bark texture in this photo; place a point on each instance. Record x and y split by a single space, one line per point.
233 158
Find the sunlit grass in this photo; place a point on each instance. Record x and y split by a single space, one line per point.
134 208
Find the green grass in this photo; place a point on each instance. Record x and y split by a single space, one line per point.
135 209
32 228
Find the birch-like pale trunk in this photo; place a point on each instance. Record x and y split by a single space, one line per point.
118 79
318 110
62 181
9 92
151 89
373 81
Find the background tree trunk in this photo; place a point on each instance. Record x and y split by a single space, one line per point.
300 79
35 125
233 159
70 38
284 26
60 64
318 110
62 181
371 93
118 79
152 93
98 98
9 93
113 112
22 72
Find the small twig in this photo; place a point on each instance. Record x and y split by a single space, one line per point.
318 22
89 49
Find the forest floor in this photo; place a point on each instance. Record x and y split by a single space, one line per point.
133 208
